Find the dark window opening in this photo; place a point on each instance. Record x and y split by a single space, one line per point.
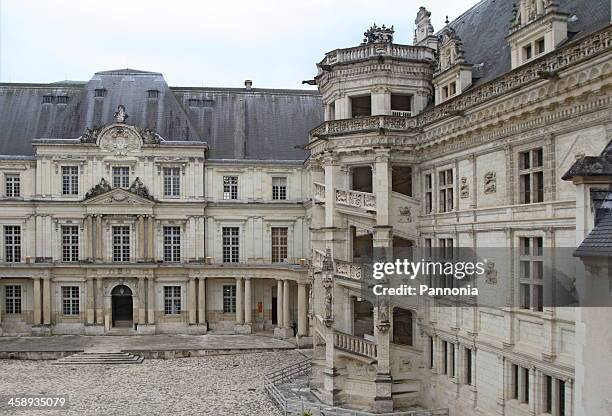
99 92
361 106
402 327
363 318
47 99
402 248
363 246
401 180
362 179
152 93
401 105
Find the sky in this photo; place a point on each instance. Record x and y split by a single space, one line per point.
275 43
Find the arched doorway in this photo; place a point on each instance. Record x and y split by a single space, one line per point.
123 314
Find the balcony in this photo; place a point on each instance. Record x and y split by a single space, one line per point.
363 125
401 113
374 51
356 199
318 192
343 269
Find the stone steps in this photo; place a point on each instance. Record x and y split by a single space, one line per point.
100 358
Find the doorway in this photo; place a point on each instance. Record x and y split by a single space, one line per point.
274 311
122 306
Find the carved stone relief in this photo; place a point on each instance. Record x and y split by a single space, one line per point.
464 188
490 183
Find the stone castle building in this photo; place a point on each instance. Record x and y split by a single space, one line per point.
130 206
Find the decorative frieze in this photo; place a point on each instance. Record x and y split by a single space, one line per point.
356 199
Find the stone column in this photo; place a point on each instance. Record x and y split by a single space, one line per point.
86 238
279 303
141 239
100 238
239 302
47 300
150 239
202 300
90 301
37 311
247 301
381 182
302 310
142 317
286 304
99 302
151 300
192 301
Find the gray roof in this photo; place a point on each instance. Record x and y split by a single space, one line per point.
599 241
592 165
237 123
484 27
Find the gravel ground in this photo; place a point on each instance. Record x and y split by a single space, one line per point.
216 385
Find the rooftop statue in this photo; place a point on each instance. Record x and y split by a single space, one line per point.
377 34
120 115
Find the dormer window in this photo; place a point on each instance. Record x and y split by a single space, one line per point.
99 93
152 94
62 99
47 99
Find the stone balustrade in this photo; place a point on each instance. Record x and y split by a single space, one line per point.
318 192
356 199
348 270
362 125
401 113
375 50
355 345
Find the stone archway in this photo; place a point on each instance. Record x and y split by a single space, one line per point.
122 310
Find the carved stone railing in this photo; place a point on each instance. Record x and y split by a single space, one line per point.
550 64
362 124
400 113
317 258
363 200
318 191
355 345
374 50
347 270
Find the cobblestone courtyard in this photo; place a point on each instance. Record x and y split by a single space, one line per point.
216 385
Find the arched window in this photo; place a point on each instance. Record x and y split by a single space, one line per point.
402 327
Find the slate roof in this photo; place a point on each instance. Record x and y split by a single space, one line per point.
237 123
484 27
599 241
592 165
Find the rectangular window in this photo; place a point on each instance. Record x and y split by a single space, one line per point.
446 252
444 357
229 298
279 189
540 46
70 180
445 186
230 187
527 52
279 244
172 181
172 244
519 378
531 176
12 185
12 243
70 243
431 352
99 93
121 177
531 271
452 89
452 360
525 385
468 366
12 299
70 300
428 194
172 300
62 99
121 243
231 244
515 382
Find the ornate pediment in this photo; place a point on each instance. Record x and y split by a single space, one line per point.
103 193
120 138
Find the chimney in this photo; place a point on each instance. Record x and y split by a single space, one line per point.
248 84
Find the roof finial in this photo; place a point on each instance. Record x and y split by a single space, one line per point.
446 21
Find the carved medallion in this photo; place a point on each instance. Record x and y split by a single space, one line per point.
119 140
